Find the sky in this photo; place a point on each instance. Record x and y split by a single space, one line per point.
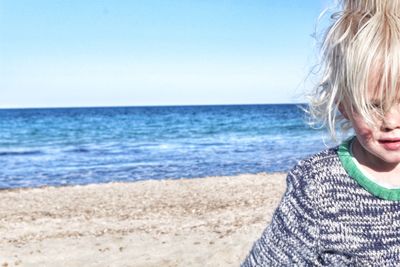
58 53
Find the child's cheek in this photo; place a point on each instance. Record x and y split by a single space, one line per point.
362 129
365 134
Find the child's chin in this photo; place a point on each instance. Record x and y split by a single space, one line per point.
392 160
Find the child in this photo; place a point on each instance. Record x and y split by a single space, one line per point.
342 206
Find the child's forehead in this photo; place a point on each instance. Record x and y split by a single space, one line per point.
377 86
381 80
374 87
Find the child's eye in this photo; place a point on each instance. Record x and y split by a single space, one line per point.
376 105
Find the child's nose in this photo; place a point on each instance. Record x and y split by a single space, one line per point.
391 120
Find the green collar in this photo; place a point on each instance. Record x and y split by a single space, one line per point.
352 169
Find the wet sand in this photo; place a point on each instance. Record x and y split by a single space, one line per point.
187 222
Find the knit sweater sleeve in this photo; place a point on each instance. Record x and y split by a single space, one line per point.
290 239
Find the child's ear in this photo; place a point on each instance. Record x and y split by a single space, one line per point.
342 110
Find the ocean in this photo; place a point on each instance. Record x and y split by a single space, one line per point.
71 146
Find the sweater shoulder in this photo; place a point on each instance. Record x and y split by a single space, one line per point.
311 172
325 160
324 157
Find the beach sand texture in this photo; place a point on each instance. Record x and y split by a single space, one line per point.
187 222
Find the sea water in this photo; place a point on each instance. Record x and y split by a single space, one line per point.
69 146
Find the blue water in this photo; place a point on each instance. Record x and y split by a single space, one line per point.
96 145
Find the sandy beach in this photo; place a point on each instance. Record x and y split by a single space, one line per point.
187 222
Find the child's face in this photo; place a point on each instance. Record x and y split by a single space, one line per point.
380 143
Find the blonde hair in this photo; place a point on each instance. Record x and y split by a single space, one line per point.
360 56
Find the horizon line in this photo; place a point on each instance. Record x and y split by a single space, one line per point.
163 105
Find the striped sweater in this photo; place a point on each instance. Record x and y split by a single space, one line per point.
331 215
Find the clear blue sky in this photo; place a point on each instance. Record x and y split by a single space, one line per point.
58 53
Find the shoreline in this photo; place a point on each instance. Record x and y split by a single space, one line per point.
210 221
10 189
